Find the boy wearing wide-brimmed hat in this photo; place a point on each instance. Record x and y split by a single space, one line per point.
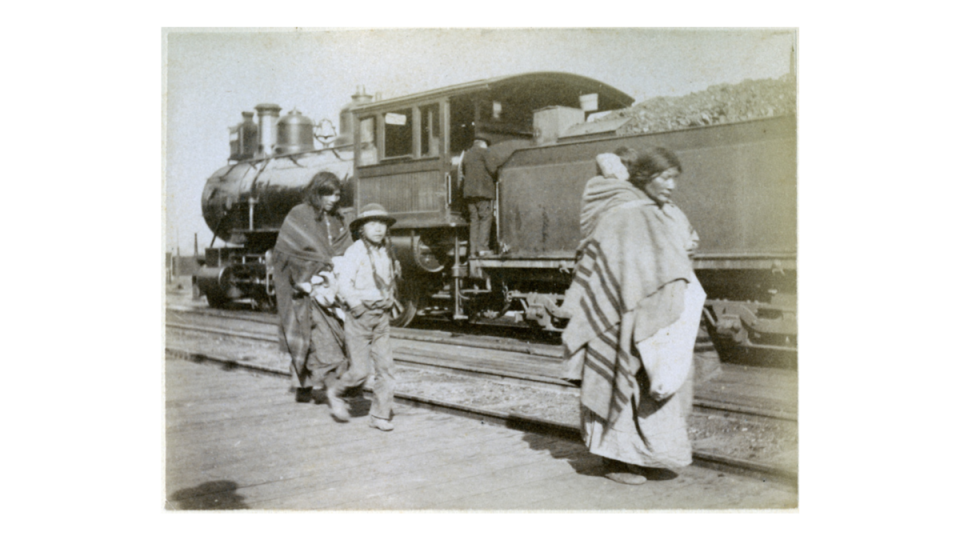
367 275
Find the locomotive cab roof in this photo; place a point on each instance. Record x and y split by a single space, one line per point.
500 108
536 90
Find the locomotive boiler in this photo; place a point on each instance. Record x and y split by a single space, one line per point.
546 129
245 202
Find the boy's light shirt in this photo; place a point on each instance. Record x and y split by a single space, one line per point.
355 275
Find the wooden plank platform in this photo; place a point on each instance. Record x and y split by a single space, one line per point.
236 439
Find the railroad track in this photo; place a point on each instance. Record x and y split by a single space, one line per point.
468 355
525 340
445 351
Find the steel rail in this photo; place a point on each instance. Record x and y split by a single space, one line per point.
548 352
404 357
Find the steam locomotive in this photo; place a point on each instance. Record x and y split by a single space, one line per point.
738 189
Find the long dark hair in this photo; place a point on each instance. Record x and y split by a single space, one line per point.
645 165
323 183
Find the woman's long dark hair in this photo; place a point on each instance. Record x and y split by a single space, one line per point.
323 183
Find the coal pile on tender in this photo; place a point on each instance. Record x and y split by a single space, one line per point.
718 104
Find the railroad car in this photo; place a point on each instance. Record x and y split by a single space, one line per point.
738 188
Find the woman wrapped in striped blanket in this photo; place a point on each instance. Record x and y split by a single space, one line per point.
636 307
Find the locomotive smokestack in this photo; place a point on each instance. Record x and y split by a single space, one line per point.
267 115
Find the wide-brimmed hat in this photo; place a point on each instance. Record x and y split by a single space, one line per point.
370 212
483 137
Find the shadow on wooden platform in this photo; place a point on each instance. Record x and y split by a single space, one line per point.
219 495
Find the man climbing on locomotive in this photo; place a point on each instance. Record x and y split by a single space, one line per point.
479 191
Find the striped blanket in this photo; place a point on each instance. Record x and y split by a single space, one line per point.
629 283
306 244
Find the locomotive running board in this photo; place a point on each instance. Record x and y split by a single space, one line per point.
562 264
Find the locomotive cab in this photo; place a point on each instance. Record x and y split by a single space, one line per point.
408 153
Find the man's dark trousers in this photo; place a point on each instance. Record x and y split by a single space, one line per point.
481 219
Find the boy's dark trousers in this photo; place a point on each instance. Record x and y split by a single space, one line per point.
368 344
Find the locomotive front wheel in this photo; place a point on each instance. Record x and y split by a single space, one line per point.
216 299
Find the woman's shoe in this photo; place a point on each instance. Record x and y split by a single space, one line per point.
626 478
304 395
623 473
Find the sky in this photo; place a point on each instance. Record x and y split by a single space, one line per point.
212 75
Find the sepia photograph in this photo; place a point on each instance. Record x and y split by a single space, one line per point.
480 269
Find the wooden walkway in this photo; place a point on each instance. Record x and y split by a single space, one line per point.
236 439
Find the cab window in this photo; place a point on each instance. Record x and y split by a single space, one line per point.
430 130
368 141
398 133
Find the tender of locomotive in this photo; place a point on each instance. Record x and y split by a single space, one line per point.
738 189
